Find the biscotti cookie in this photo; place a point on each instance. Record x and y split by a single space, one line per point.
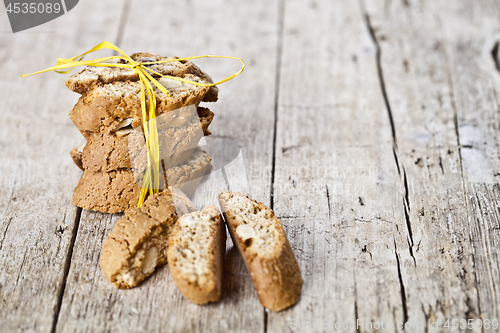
106 107
82 81
107 192
261 240
181 202
187 176
112 151
119 190
196 255
138 242
76 156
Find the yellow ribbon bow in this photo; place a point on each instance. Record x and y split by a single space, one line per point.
151 181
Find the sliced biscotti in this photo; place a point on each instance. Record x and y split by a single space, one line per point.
181 202
112 151
107 192
76 155
138 242
106 107
119 190
196 255
262 242
82 81
187 176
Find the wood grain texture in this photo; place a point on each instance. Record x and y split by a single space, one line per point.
442 87
439 252
37 218
243 115
334 164
418 92
371 127
476 92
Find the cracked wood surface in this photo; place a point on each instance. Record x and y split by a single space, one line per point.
371 128
335 172
442 90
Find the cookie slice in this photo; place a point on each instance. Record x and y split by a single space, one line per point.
105 107
196 255
262 242
112 151
107 192
76 156
81 82
138 242
119 190
187 176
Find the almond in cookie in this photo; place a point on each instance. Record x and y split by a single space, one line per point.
262 242
138 242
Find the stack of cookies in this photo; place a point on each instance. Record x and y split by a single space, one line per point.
167 227
109 116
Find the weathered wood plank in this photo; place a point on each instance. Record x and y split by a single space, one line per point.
37 219
244 115
336 183
425 90
476 91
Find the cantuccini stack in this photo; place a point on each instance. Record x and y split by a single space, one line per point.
109 116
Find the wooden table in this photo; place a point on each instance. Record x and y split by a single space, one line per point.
371 128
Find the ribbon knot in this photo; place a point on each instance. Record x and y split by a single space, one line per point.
136 64
152 175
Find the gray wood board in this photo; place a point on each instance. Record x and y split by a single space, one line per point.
442 84
336 183
384 166
37 218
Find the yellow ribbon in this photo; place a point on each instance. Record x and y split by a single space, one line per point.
151 181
